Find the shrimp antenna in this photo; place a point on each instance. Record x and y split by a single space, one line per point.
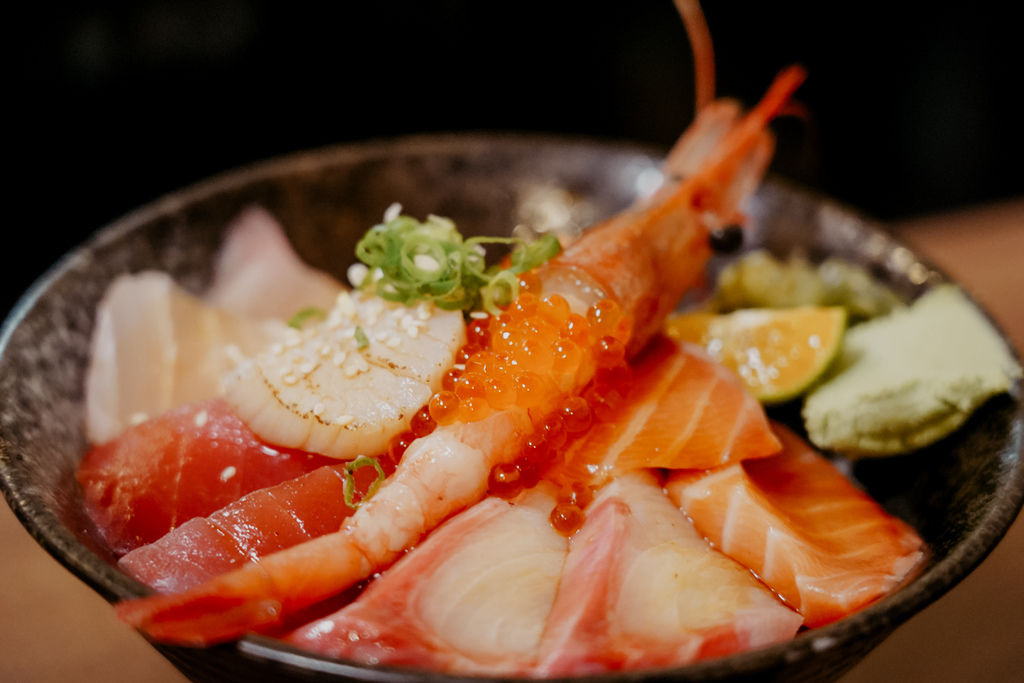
703 51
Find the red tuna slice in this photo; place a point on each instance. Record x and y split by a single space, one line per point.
683 411
641 589
814 538
186 463
473 598
249 529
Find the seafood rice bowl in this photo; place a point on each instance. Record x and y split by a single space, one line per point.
325 200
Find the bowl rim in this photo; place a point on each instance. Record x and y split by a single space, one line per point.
879 617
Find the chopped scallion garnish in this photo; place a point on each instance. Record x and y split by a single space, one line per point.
362 341
430 261
305 315
350 482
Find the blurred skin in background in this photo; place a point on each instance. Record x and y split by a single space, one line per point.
118 103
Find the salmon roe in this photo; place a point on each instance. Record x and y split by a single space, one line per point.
526 357
567 518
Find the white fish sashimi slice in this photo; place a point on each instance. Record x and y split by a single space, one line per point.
155 347
641 589
258 274
345 385
473 598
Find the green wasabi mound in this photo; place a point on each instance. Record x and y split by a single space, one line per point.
905 380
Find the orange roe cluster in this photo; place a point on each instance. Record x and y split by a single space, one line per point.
420 425
521 358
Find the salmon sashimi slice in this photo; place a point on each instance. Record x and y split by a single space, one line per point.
813 537
249 529
683 411
473 598
189 462
641 589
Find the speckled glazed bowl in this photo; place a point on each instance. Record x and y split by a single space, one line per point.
961 494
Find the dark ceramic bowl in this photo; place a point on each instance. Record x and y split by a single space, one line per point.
961 494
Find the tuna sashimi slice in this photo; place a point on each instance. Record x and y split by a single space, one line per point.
189 462
641 589
257 274
814 538
683 411
249 529
473 598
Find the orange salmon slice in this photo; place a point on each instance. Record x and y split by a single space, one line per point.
683 411
823 545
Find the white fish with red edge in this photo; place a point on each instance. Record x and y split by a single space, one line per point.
642 589
156 347
258 274
473 598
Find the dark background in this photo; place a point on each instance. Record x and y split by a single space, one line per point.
913 109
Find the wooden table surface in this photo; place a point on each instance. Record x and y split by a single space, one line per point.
53 628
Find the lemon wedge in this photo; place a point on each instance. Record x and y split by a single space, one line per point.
777 353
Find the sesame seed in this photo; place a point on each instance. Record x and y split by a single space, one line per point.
351 370
277 349
325 349
412 331
318 409
380 336
228 472
138 418
344 420
290 379
393 342
339 358
407 320
345 305
334 319
459 366
201 417
426 262
392 212
479 315
357 273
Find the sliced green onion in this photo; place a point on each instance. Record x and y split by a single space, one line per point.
350 482
430 261
305 315
362 341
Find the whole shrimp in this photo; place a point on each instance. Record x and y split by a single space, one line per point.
641 261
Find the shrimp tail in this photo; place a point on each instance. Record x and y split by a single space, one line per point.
257 597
